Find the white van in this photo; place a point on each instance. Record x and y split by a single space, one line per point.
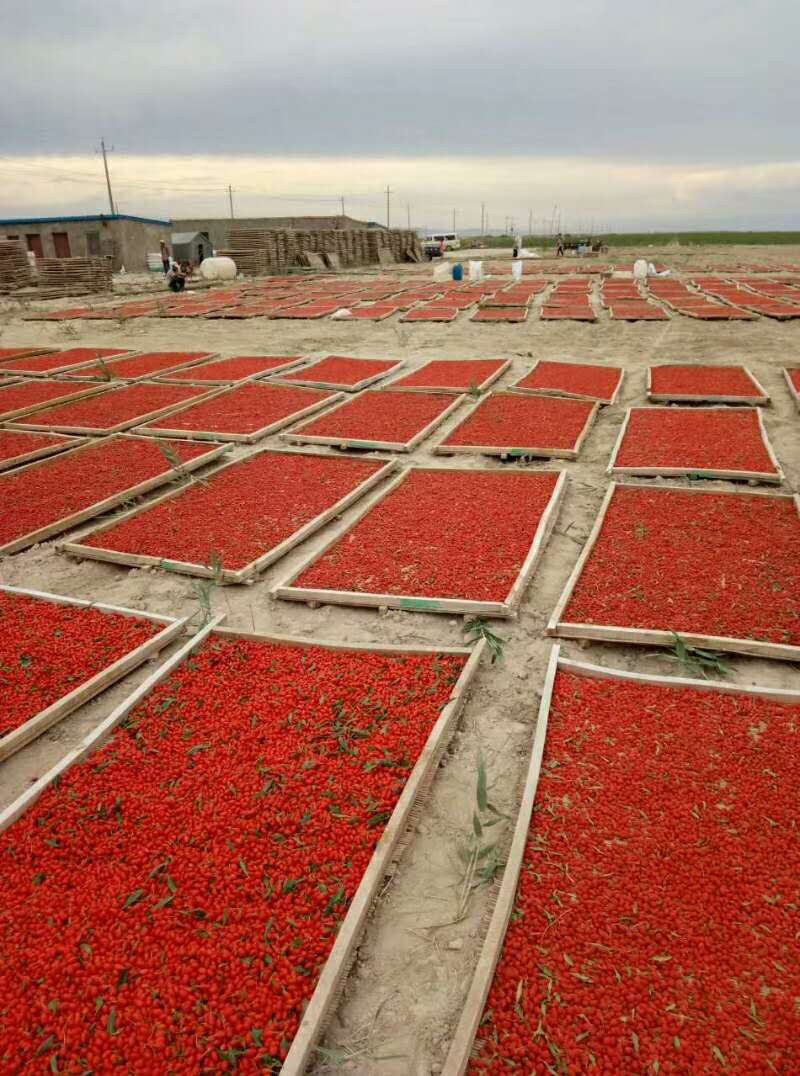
450 238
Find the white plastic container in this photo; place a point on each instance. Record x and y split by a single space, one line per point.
218 269
475 270
516 269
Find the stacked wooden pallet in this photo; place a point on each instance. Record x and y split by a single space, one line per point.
257 250
74 276
15 271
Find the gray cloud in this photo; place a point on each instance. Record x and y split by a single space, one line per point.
674 82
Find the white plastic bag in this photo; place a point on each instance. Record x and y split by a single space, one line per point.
475 270
516 270
640 269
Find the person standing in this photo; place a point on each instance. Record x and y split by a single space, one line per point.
165 258
559 245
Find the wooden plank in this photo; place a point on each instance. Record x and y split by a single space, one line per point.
487 381
700 472
45 719
653 637
241 575
298 437
118 427
460 1051
40 453
423 603
506 452
240 438
57 526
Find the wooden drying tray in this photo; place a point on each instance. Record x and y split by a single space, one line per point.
698 472
482 387
420 603
45 719
526 391
241 438
652 636
760 396
334 973
66 522
247 574
460 1052
507 452
298 437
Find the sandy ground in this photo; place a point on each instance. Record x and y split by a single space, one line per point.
406 988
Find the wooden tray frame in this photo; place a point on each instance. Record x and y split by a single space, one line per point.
335 385
652 636
460 1051
27 354
237 438
707 472
760 397
571 395
246 574
482 387
443 316
67 522
442 449
417 603
56 711
508 319
40 453
153 376
81 393
335 970
298 437
56 370
228 382
118 427
793 392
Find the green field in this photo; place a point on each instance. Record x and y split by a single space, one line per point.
655 239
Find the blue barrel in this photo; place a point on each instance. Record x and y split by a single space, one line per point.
458 271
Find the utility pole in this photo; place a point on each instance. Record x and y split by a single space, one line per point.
108 178
408 215
388 209
454 222
342 201
483 218
530 222
230 198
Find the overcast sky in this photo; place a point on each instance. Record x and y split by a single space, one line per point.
628 114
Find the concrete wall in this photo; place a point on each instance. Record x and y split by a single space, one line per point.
126 242
218 229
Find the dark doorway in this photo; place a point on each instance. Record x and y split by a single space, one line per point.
61 244
35 245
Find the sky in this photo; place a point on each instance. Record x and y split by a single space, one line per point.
623 115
